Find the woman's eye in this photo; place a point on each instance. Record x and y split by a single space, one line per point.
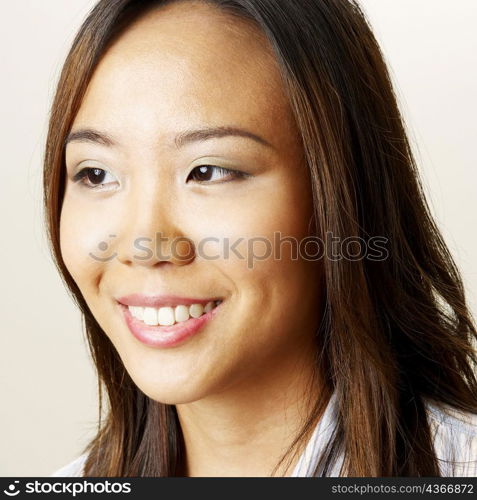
212 174
93 178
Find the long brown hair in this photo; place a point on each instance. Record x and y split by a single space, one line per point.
394 332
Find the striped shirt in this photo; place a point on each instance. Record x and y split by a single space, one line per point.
454 435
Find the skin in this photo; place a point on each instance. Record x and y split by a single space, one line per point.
240 384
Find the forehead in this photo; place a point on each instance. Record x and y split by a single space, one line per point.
183 64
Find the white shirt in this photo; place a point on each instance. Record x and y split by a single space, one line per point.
454 434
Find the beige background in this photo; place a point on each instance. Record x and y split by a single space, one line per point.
47 383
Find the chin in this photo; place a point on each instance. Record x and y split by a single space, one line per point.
172 390
172 394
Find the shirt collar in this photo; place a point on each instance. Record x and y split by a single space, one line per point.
318 441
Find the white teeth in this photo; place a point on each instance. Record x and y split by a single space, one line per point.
167 316
150 316
181 313
137 311
196 310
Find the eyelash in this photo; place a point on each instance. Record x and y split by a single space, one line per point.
235 174
83 174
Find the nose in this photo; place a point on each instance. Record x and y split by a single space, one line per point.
150 233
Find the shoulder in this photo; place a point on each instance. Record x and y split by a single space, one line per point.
73 469
455 439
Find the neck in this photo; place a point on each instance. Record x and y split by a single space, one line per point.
245 430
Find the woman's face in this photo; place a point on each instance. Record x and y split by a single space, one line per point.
185 68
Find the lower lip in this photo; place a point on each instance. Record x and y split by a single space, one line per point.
166 336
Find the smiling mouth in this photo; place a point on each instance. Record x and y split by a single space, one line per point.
170 325
169 316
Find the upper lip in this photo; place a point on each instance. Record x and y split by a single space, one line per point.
137 299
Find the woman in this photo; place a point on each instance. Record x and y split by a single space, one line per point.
184 133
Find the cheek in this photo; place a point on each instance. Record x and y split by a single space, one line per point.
247 228
85 240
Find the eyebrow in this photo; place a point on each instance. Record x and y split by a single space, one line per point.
187 137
